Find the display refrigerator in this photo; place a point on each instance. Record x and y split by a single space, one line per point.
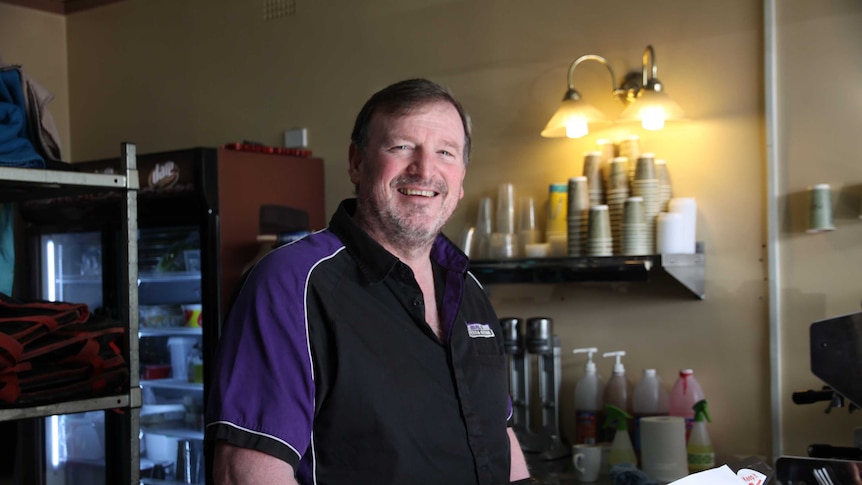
199 220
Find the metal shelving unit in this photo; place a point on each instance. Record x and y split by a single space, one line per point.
688 270
17 184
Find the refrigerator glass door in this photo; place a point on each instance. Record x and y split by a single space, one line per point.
171 363
75 443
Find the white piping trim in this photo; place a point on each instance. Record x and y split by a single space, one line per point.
258 433
310 361
476 280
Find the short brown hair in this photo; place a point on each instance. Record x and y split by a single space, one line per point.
400 98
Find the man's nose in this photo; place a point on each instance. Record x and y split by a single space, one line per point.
422 163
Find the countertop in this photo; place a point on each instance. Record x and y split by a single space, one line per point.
558 472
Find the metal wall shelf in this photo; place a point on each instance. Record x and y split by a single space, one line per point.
687 269
28 184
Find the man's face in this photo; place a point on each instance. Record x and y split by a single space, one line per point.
411 174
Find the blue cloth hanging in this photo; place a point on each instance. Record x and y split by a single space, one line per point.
16 150
7 249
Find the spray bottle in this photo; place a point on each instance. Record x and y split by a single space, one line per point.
621 448
588 400
701 455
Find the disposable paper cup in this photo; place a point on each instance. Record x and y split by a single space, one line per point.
504 245
820 208
633 211
192 315
506 208
180 348
579 197
485 217
618 177
558 243
593 166
161 448
645 168
600 224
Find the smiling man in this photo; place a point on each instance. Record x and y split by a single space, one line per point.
367 353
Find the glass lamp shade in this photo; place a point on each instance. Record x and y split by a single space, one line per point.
572 119
652 108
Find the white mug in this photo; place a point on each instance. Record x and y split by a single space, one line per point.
587 460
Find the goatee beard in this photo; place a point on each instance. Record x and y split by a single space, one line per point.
395 230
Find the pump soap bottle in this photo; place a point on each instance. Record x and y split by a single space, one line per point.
621 448
588 400
701 455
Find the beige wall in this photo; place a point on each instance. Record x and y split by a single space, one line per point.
37 42
175 73
820 115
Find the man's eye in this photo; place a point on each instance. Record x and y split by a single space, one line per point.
446 152
401 147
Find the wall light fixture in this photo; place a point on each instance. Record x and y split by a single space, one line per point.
642 92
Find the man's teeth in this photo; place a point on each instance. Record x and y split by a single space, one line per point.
422 193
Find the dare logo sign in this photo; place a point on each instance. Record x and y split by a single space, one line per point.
164 175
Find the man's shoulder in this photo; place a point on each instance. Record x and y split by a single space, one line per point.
305 254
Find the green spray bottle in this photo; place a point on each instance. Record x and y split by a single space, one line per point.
701 456
622 450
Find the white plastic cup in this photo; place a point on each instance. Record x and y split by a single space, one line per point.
671 235
506 208
687 207
180 348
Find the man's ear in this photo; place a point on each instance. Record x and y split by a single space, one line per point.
354 159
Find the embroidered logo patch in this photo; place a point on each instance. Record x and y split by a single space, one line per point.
479 330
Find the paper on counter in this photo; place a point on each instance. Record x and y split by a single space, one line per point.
722 475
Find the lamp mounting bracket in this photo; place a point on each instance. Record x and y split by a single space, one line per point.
629 87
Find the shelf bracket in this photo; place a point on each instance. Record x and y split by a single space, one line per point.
688 269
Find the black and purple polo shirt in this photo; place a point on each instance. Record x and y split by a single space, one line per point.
326 362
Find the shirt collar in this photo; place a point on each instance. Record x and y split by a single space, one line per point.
374 260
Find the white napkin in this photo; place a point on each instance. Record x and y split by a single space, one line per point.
722 475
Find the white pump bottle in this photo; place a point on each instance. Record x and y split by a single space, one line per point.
618 388
588 401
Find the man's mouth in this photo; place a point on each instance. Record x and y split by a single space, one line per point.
417 192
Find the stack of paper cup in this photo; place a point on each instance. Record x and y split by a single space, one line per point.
630 148
483 229
665 188
593 173
645 185
687 208
608 150
578 216
506 208
616 194
599 242
504 241
635 236
528 232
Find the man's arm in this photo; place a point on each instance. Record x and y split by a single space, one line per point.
518 470
233 465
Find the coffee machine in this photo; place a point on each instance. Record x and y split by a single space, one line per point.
526 344
836 358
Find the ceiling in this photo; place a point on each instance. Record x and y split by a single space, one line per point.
60 6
